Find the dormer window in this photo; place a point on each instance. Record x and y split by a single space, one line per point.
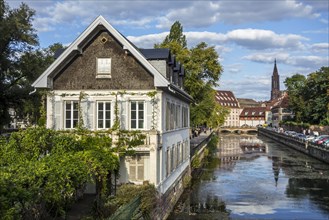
103 68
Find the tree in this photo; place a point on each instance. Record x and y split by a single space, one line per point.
308 97
316 97
33 64
202 74
17 38
295 85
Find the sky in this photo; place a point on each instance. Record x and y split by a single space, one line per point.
248 35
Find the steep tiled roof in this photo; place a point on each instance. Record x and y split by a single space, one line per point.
253 112
156 54
248 103
281 102
227 99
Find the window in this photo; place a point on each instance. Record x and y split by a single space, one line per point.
136 167
185 117
137 114
168 116
177 154
178 116
172 122
71 114
103 115
103 67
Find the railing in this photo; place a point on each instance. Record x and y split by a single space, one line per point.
315 150
197 146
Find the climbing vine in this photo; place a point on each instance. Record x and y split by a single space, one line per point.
42 170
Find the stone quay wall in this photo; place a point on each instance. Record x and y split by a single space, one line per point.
308 148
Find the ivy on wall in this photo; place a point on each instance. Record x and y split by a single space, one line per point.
116 125
42 170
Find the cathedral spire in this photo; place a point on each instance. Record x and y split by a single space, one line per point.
275 91
275 70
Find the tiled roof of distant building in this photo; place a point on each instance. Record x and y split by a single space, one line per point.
281 102
227 99
253 112
248 103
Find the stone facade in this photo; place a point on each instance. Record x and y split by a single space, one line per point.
126 72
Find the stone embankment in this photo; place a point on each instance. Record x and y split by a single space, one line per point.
313 150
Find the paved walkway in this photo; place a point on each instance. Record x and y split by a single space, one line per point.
197 140
82 208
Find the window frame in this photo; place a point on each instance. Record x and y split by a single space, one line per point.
104 114
72 110
108 72
133 161
137 115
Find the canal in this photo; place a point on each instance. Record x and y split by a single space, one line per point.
251 177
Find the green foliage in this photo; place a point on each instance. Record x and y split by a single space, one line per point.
21 62
128 192
308 97
17 37
41 170
196 162
213 143
187 181
202 74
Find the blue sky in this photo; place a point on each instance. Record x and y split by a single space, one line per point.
248 35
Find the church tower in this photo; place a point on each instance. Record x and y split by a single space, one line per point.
275 92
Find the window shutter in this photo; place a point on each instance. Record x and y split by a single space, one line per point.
89 121
58 116
122 114
149 124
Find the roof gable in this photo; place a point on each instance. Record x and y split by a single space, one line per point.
45 80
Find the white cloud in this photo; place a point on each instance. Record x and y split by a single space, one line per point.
197 14
257 88
264 39
267 57
249 38
325 21
148 41
320 47
233 68
310 61
255 11
319 31
162 14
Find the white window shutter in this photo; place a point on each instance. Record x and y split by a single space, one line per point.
89 121
122 114
59 116
149 113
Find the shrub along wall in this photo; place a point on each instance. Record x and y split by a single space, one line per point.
42 171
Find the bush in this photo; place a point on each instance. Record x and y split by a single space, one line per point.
126 193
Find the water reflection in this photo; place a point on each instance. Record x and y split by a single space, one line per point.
274 183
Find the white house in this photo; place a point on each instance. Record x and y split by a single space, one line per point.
228 100
110 77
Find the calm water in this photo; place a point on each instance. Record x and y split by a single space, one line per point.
242 183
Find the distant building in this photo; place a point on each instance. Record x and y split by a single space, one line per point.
280 110
227 99
275 91
248 103
253 116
